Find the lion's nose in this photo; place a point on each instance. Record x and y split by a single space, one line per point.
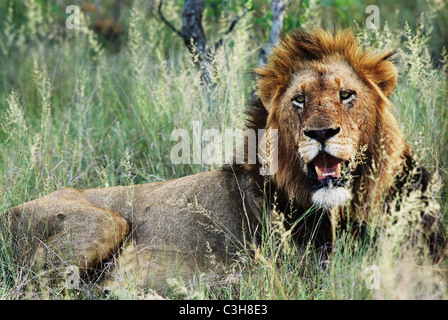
322 135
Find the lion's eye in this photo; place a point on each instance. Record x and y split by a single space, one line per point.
345 94
298 101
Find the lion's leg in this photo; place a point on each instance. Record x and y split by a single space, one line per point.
65 228
155 269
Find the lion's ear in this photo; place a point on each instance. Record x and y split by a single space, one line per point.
266 102
384 74
267 83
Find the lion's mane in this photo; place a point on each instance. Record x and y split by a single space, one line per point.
387 160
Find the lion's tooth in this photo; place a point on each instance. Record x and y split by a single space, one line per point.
319 172
338 170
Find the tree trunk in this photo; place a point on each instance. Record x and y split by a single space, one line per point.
117 10
194 37
278 12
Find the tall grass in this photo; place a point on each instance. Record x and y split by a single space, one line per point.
74 114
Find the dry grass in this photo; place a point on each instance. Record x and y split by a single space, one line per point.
74 114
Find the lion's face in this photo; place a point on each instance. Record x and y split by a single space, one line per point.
326 112
328 98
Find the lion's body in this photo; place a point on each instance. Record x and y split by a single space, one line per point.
181 223
176 227
327 98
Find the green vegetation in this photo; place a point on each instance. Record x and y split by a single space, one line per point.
81 110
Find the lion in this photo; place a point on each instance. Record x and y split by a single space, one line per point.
328 99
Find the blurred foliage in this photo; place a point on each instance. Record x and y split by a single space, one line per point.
331 13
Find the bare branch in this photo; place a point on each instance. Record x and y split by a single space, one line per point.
230 29
166 21
235 21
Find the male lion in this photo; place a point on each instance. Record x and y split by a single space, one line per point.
339 147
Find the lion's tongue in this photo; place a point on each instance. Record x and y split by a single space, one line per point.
326 166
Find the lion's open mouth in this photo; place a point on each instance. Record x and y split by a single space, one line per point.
325 171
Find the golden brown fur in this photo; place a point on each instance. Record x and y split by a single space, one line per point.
184 224
304 59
